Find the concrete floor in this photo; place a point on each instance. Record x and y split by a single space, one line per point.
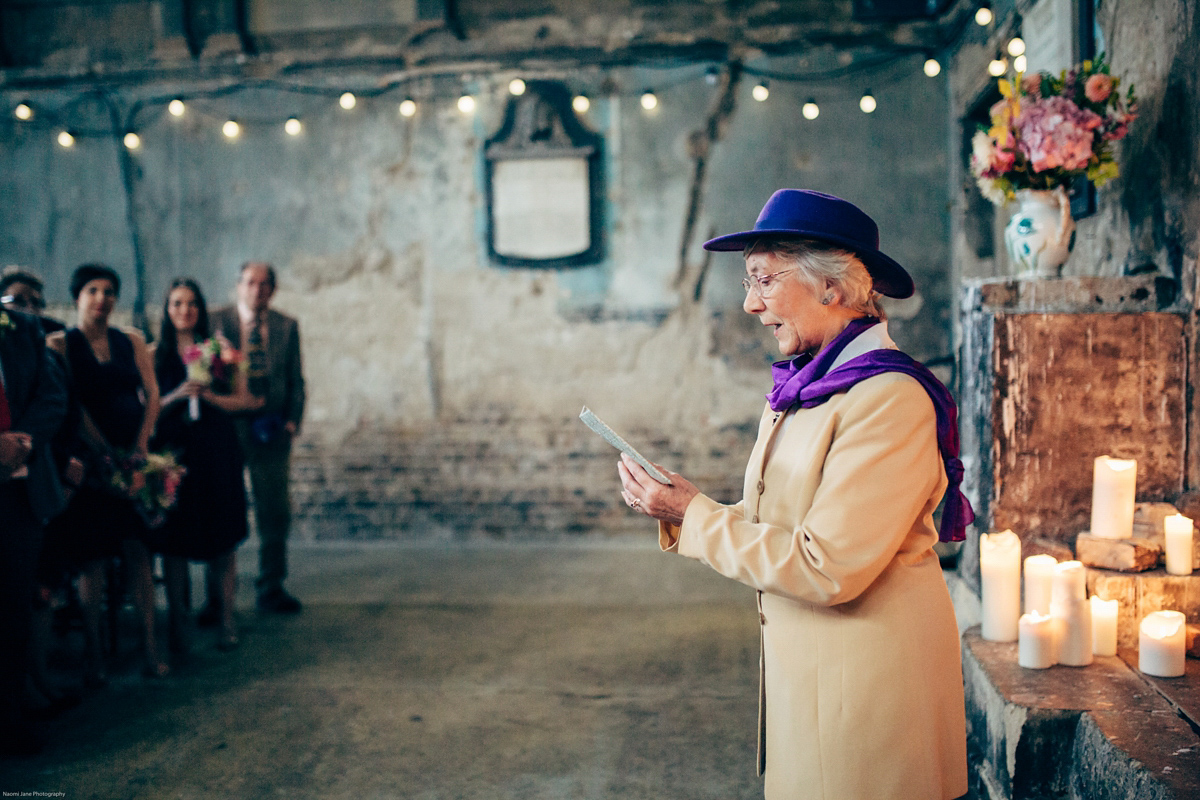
439 671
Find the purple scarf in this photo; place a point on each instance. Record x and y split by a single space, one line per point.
807 381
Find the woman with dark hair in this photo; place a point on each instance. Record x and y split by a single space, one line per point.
209 519
113 377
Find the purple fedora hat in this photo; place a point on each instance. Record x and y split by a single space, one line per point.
800 213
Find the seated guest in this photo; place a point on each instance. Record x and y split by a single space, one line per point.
21 290
209 519
32 404
113 375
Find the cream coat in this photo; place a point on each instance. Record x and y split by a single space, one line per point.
862 695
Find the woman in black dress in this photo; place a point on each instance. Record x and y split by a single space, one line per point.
113 378
209 519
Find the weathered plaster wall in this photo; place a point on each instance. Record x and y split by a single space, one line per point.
443 389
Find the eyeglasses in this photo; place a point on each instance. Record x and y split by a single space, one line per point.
763 283
23 301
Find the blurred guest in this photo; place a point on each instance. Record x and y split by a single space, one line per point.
113 374
271 344
209 519
21 290
32 404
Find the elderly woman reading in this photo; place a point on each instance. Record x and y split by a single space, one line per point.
861 679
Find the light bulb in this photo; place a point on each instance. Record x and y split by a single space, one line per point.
348 101
933 67
231 129
649 100
407 107
293 127
760 92
176 107
867 102
711 76
810 110
997 67
983 17
132 140
1016 46
466 104
23 111
66 139
581 103
516 87
1020 64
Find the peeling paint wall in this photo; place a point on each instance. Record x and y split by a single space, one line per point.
444 389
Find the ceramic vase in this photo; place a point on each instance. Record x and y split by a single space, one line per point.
1041 233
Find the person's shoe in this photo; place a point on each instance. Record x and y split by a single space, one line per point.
277 601
209 617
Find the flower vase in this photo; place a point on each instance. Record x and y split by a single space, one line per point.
1041 233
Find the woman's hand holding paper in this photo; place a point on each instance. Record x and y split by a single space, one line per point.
657 500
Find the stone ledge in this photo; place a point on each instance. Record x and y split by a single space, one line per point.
1102 731
1081 294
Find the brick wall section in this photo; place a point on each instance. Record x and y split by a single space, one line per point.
521 480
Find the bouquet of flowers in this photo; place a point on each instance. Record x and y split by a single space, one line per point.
151 482
1046 132
211 362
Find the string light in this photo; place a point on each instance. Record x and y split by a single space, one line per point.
649 100
711 76
516 87
466 104
581 103
176 107
867 102
132 141
983 16
761 92
1016 46
293 127
231 129
407 107
933 67
997 66
66 139
1020 64
23 111
348 101
810 110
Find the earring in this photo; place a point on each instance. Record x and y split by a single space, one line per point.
827 299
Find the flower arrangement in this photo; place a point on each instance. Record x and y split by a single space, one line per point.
152 482
1046 132
211 362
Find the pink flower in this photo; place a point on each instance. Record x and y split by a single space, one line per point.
1055 133
988 160
137 482
1098 88
193 353
1032 85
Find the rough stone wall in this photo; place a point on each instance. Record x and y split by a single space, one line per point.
443 390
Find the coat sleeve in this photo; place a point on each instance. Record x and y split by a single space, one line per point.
878 477
295 376
47 406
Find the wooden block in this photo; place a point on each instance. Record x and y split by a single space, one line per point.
1122 555
1193 641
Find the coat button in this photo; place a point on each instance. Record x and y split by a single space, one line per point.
761 486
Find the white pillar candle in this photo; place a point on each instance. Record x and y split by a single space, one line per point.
1039 583
1162 648
1037 644
1072 611
1114 481
1178 531
1104 627
1000 579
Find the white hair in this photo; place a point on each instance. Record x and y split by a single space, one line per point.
824 266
